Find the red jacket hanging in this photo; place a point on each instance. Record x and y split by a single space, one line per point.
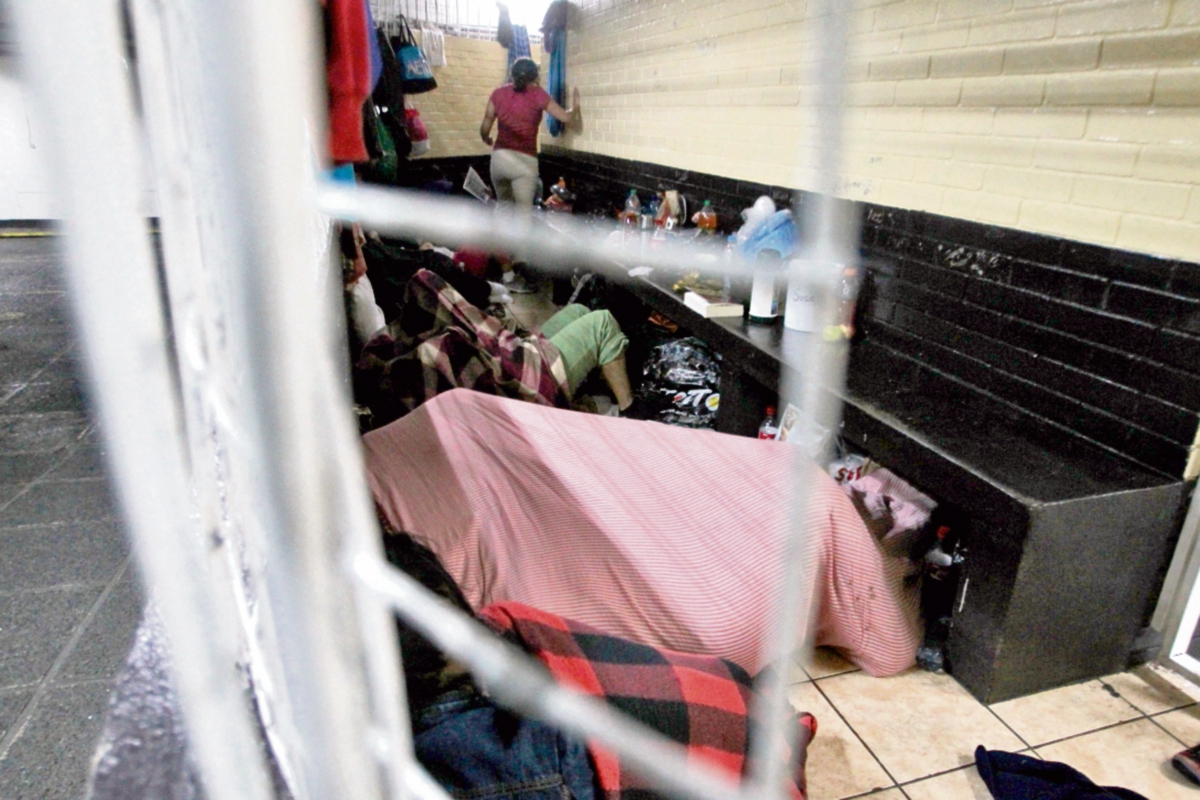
348 71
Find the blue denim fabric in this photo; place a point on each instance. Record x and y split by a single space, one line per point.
474 750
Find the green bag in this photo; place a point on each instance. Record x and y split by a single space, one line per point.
386 168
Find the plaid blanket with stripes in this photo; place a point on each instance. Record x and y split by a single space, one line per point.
702 702
439 342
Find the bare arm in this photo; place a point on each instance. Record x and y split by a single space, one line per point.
485 127
564 115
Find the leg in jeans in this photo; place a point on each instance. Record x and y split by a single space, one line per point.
591 340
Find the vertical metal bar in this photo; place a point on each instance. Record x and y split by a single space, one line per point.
258 89
828 240
120 317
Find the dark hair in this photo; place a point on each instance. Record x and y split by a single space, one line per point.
524 72
427 672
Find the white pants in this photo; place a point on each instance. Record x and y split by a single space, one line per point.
515 177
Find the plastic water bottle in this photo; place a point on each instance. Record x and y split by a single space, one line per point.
769 428
633 204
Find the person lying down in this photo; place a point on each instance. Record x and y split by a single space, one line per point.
474 748
449 337
438 341
665 536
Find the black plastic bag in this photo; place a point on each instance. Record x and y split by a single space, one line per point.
681 384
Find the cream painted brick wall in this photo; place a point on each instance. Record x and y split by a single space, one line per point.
1079 118
452 111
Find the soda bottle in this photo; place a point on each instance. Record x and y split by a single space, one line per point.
937 600
633 206
849 297
706 218
769 428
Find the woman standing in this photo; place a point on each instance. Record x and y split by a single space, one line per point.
517 107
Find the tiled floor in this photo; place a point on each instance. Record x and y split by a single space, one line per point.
914 735
69 599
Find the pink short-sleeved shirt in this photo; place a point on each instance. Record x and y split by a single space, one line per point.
518 115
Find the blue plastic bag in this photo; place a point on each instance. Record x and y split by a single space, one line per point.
777 232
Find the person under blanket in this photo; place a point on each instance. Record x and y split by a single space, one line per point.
474 748
663 535
439 341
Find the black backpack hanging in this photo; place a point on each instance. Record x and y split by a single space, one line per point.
388 97
416 74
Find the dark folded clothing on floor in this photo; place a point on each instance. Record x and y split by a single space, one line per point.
1010 776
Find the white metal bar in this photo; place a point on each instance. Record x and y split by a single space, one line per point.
568 244
260 88
73 58
829 242
1178 611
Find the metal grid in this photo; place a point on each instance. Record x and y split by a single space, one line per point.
474 19
231 440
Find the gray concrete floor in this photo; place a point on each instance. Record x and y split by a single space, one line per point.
69 596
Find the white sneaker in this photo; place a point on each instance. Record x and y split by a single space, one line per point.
517 285
499 294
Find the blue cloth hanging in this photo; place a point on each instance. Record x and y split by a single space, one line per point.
519 46
373 45
556 80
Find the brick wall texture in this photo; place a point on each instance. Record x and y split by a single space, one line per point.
1078 118
452 112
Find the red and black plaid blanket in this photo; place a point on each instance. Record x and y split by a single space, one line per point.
440 342
702 702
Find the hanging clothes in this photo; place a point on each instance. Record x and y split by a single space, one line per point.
373 44
348 72
433 44
554 42
389 97
519 48
504 31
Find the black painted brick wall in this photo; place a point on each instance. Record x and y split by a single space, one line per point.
1103 342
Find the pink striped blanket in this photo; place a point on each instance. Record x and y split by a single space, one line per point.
663 535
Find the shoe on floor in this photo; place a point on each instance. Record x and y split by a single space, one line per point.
1188 763
636 410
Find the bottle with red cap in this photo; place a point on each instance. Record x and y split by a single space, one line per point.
769 428
941 568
